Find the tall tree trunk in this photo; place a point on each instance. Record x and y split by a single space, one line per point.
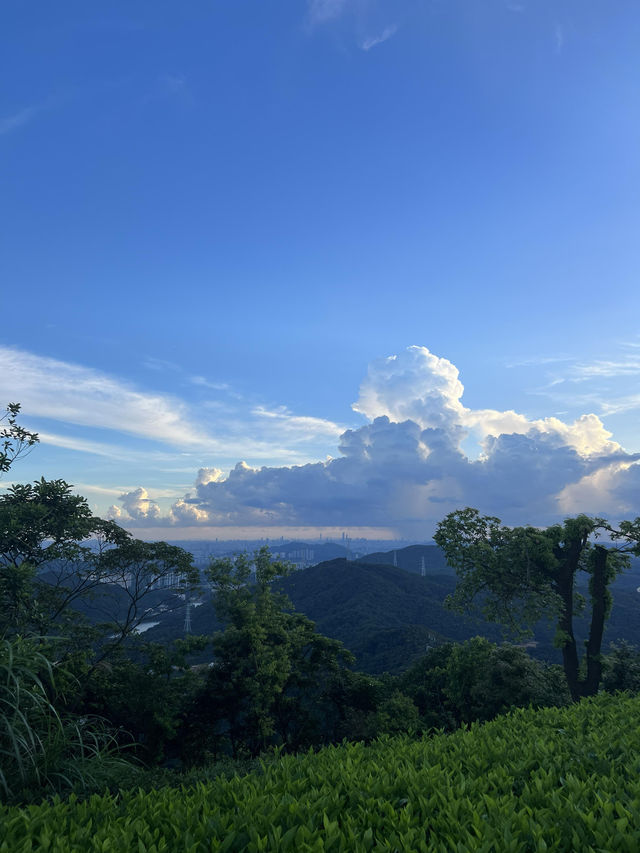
569 562
599 606
565 627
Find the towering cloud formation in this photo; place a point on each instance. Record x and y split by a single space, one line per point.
407 467
415 385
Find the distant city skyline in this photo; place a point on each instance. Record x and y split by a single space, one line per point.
302 268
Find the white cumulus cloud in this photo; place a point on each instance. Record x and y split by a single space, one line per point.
139 506
406 468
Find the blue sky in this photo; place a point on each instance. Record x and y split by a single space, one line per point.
222 220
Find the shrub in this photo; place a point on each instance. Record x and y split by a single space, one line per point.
41 750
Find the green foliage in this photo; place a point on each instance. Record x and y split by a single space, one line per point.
54 553
425 682
558 779
622 668
511 568
520 574
43 523
143 690
458 684
54 556
267 682
41 750
484 680
15 440
133 569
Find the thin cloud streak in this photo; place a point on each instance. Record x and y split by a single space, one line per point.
19 119
373 41
159 460
87 398
299 427
80 395
539 360
605 376
627 367
622 404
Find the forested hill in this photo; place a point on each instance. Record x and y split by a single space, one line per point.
385 615
411 559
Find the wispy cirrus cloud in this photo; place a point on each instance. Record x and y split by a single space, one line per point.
84 400
298 427
80 395
174 87
629 366
539 360
600 383
206 383
159 460
373 41
20 118
362 20
625 403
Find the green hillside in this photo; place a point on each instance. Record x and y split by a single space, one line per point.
386 616
557 779
411 559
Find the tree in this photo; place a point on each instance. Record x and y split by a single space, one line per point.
266 682
54 552
521 574
144 690
43 524
459 683
622 668
130 573
15 440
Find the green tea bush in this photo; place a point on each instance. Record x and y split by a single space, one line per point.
557 779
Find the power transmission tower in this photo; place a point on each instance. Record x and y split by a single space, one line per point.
187 615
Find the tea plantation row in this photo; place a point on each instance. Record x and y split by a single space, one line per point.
551 780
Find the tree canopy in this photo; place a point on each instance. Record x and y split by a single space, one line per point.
517 575
269 681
